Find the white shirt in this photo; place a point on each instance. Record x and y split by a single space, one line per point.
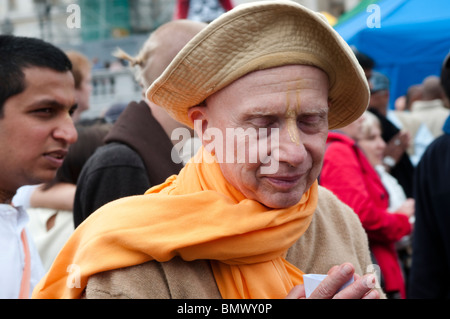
423 137
396 193
23 195
12 257
49 242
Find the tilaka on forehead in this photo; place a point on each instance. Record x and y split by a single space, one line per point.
291 117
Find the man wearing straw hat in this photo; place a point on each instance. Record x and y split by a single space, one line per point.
237 222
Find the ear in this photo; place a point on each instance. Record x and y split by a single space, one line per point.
198 115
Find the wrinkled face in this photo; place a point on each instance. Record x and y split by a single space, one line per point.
36 128
373 145
274 124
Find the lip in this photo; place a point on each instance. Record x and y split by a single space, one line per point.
56 158
283 182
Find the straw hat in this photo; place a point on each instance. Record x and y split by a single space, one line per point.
262 35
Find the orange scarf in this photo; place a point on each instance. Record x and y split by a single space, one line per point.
195 215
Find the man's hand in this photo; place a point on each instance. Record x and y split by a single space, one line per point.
361 288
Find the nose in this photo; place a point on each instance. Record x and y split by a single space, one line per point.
290 149
66 131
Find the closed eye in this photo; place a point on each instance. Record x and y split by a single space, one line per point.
312 122
310 119
263 121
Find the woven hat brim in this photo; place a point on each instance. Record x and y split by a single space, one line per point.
256 36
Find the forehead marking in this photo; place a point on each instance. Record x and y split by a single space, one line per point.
291 116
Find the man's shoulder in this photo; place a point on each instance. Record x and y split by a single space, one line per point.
439 146
331 206
335 217
175 278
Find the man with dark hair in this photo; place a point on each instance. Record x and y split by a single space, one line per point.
429 276
37 99
20 53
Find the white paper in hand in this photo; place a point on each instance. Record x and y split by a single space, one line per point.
311 281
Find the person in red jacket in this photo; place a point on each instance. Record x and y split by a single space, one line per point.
349 175
201 10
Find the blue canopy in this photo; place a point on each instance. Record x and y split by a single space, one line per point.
410 42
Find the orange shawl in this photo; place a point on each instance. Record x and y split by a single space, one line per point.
195 215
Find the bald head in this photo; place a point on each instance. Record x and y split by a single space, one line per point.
160 49
163 45
432 89
414 94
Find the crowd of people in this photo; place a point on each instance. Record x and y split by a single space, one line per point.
359 191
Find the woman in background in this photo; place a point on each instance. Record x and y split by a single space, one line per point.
348 173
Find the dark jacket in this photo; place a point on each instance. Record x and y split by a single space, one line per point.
430 270
136 157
